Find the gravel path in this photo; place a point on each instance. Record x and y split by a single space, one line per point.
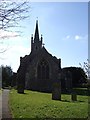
5 105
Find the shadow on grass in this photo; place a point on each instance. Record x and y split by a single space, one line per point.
69 101
72 101
24 93
65 101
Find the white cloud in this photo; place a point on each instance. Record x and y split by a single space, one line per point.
68 36
12 56
8 34
15 47
77 37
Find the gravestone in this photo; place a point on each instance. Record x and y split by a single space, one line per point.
20 90
20 83
73 96
56 92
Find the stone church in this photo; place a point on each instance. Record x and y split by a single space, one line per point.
39 70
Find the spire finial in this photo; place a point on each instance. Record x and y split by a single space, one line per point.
37 18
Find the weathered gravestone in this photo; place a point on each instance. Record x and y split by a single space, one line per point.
56 92
73 96
20 83
20 89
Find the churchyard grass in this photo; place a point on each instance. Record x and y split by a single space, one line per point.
40 105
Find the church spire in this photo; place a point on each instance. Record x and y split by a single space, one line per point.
36 43
36 37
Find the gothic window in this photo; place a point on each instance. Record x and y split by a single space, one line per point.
43 70
47 72
39 72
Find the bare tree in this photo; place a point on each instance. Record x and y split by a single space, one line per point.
11 13
86 67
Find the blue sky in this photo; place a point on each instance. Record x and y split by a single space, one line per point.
64 26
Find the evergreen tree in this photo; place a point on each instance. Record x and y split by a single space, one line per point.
6 76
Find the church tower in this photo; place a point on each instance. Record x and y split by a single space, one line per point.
36 42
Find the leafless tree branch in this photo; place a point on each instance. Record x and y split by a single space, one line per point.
11 13
86 67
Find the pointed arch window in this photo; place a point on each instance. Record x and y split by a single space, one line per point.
43 70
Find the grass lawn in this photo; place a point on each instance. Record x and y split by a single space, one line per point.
40 105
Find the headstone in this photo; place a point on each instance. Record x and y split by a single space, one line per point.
20 84
56 92
73 96
20 90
